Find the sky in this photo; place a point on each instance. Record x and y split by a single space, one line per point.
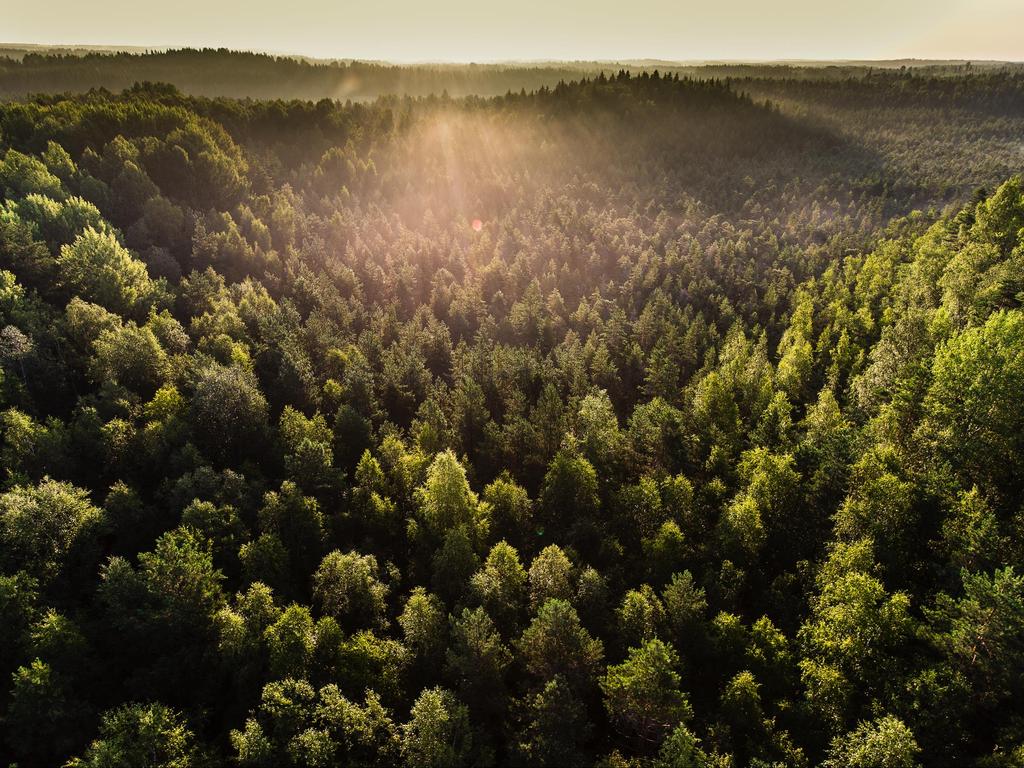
473 30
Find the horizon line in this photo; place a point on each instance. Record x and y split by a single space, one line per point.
140 49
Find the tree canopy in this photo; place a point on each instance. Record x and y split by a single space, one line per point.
634 418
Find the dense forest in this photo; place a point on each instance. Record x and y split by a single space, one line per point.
240 74
636 421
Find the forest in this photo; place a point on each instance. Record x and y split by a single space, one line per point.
638 420
212 72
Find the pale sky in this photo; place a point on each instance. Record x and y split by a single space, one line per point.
472 30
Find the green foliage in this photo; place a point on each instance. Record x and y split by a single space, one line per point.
228 413
882 743
453 564
500 585
97 268
702 448
854 632
150 735
685 604
682 750
164 611
437 733
981 632
220 524
348 588
132 357
424 624
556 644
19 595
446 500
291 641
22 175
510 508
555 727
294 527
309 454
297 725
44 526
41 714
639 615
569 497
550 576
972 411
642 693
477 660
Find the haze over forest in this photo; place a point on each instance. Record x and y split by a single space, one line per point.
626 412
26 70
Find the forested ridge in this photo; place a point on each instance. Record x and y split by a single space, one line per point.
247 74
636 421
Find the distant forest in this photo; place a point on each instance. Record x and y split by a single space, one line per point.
633 419
209 72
